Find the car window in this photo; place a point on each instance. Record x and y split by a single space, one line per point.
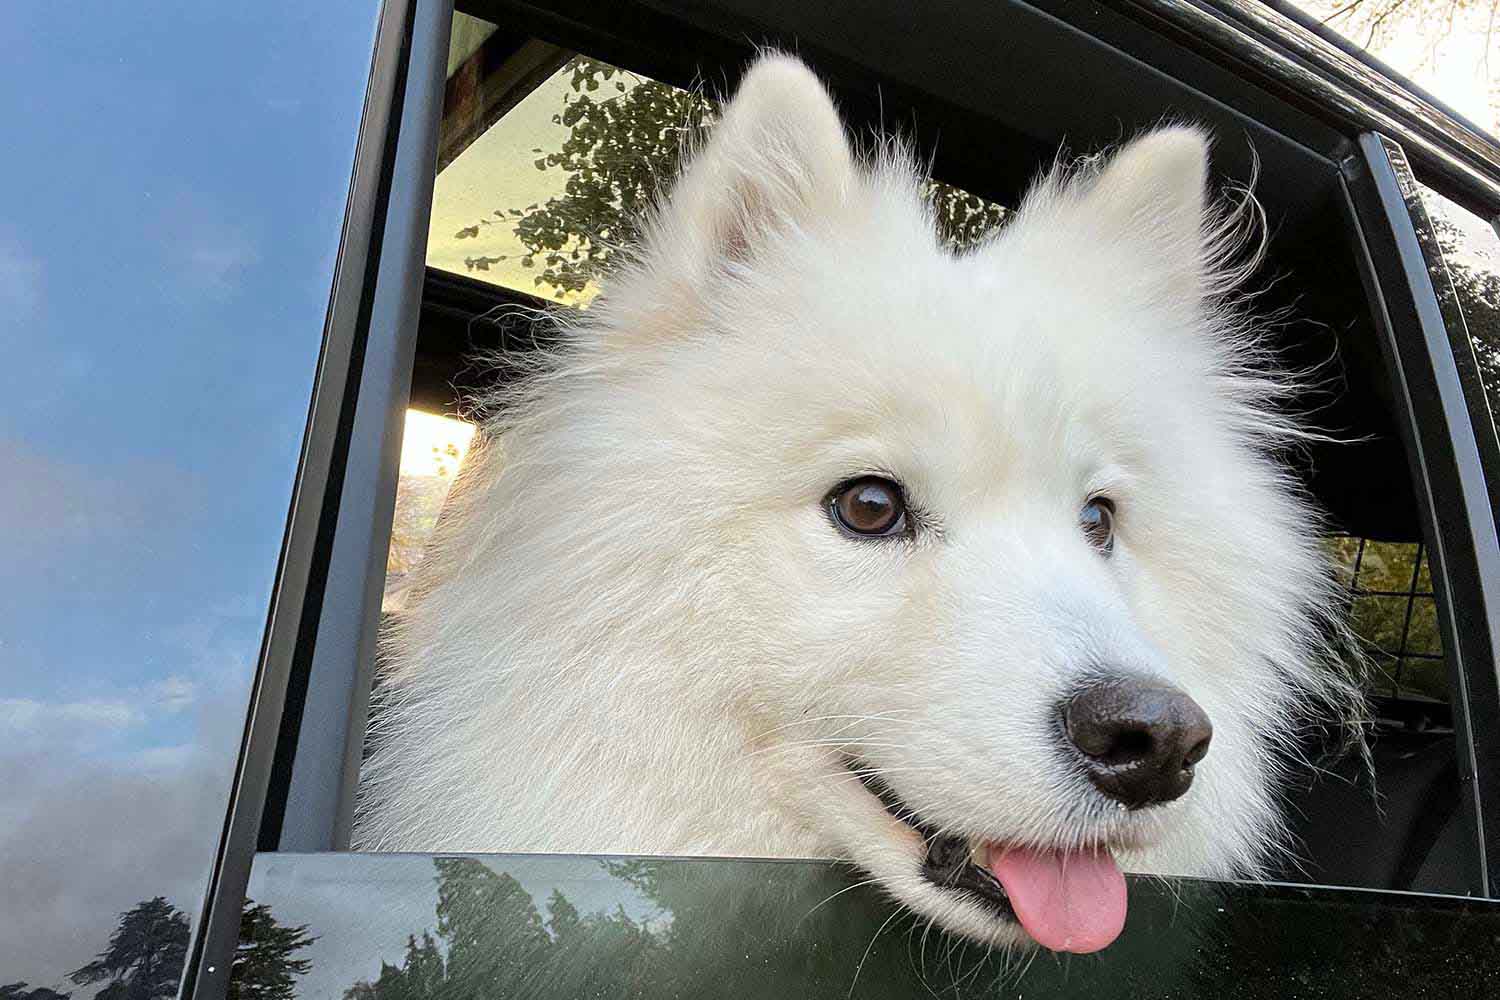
546 160
553 137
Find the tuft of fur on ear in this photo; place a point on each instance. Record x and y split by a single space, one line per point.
1143 210
1156 184
777 160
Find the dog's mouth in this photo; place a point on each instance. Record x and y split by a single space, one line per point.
1066 900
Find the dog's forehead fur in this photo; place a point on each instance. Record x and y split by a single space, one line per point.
841 321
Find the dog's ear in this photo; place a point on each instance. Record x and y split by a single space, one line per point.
1149 200
776 158
1157 180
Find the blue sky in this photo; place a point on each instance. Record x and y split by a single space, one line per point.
175 181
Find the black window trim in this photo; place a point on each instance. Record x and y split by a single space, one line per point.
1385 207
1307 63
293 791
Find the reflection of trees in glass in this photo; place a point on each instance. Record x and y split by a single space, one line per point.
620 148
144 958
264 966
717 929
18 991
145 955
751 930
1478 291
492 942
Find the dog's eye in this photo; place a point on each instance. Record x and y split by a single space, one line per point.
869 506
1098 520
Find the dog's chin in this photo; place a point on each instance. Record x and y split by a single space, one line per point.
949 878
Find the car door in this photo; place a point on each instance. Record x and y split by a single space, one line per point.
176 183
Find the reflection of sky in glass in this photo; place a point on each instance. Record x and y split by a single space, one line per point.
332 894
174 192
1471 258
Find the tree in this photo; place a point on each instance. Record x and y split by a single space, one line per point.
18 991
492 942
1372 23
145 955
264 968
563 920
474 900
620 150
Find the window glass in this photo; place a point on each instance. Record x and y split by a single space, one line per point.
174 194
367 927
1470 280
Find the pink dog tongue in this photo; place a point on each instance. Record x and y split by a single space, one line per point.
1067 901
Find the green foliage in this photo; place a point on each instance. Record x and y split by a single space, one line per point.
1393 611
625 141
473 899
492 942
1477 290
147 951
264 968
963 220
625 136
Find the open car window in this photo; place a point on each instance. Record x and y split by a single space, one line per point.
538 201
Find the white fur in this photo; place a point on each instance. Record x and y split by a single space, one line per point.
638 630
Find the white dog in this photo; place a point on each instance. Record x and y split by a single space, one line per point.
817 540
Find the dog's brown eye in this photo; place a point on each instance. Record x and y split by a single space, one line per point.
869 505
1098 519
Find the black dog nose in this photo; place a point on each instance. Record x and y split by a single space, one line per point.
1138 740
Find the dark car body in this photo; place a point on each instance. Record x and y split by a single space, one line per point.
216 310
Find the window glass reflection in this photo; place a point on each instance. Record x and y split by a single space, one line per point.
1471 259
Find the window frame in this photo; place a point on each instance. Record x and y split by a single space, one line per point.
349 459
1386 216
295 780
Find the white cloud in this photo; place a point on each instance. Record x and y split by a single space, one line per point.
82 721
84 837
205 245
174 693
20 716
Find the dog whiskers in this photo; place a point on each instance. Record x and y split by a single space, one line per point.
792 745
847 888
865 957
854 720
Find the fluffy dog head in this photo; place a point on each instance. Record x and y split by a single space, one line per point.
817 538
